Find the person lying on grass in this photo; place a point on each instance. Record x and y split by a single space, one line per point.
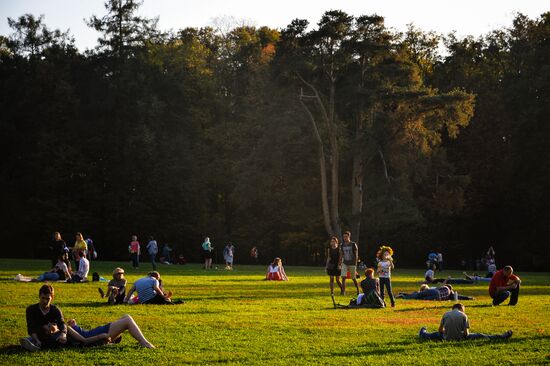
442 293
109 331
59 272
454 326
116 288
149 291
72 335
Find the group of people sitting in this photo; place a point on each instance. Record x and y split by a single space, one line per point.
62 271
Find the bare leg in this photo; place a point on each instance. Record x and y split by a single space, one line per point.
127 323
331 282
339 282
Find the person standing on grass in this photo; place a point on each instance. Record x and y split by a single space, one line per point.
385 265
149 291
454 326
56 247
79 246
39 315
348 260
135 251
333 264
207 253
152 250
504 284
228 253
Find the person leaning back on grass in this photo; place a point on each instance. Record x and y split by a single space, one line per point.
454 326
39 315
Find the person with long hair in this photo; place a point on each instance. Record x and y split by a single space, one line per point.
333 266
207 253
80 245
276 271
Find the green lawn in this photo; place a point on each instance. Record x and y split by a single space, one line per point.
236 318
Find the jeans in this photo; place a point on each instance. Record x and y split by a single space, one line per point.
135 260
431 294
433 336
152 256
48 276
485 336
386 282
501 296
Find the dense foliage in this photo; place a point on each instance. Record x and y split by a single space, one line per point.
277 138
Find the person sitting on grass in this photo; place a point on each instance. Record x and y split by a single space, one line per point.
39 315
110 331
442 293
504 284
371 291
149 291
116 288
454 326
276 271
430 274
83 268
59 272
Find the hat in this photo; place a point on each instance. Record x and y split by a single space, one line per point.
118 270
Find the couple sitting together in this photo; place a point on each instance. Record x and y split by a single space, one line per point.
47 329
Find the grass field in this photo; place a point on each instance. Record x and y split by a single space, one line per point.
233 317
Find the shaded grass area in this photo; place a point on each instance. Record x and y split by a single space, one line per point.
237 318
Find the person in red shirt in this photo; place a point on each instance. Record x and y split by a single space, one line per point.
504 284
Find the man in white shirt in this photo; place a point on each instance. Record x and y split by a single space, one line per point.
83 269
152 250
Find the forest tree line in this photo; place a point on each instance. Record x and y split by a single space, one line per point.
278 138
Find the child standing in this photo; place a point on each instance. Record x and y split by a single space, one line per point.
385 266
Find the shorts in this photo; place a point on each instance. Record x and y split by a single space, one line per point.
352 269
334 271
92 332
206 254
274 276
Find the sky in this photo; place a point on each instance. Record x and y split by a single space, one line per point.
465 17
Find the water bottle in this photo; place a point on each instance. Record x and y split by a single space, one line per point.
455 296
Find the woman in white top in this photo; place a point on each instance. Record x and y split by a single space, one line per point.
384 271
276 271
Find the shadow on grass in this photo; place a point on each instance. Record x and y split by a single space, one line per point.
12 350
369 352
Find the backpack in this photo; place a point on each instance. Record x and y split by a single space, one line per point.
95 277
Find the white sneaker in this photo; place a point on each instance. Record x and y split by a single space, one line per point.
27 344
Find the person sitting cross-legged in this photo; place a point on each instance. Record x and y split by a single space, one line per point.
149 290
454 326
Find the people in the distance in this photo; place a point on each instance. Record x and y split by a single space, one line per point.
116 288
228 253
83 268
135 250
80 246
504 284
276 271
38 316
348 260
148 290
57 247
254 254
207 253
333 266
430 274
454 326
152 250
114 330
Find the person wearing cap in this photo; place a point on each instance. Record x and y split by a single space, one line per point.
149 290
116 288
